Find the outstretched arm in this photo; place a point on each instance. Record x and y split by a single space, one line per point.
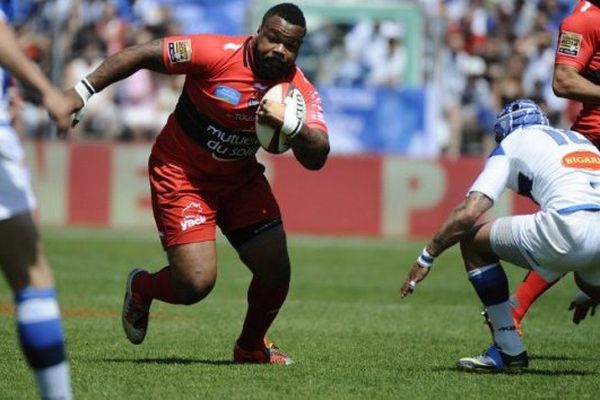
17 63
460 222
116 67
128 61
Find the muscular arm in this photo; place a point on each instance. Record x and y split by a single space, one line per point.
311 147
459 222
567 82
128 61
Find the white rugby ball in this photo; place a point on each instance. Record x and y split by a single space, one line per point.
271 139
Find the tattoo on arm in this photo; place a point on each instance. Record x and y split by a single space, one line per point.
127 62
459 222
479 202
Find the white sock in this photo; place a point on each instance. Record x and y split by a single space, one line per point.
54 382
505 332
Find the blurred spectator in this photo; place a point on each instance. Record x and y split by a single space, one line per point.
102 119
367 52
112 29
29 117
514 44
452 83
169 89
387 58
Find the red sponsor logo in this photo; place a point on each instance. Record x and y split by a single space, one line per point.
582 160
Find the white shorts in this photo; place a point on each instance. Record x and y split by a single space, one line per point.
16 195
550 243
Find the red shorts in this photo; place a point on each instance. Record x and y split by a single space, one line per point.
188 205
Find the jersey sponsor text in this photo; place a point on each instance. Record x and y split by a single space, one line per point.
582 160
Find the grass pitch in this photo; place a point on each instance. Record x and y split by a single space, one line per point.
344 323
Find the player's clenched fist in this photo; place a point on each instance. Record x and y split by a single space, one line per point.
270 112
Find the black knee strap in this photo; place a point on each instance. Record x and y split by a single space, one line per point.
240 236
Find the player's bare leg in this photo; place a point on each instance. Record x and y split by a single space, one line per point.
38 318
22 254
267 257
193 269
490 283
189 277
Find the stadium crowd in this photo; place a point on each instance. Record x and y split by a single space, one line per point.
88 31
494 52
485 53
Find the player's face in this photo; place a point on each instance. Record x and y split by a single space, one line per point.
276 47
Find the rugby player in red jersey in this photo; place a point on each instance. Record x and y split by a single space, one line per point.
204 173
576 77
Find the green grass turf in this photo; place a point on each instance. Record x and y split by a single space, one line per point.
344 323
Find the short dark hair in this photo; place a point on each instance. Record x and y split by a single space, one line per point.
288 11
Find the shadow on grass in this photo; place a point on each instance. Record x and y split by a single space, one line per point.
531 371
556 372
550 357
169 360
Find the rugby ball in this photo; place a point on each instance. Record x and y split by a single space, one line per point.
271 139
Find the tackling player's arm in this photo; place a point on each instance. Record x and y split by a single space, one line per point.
15 61
567 82
117 67
459 223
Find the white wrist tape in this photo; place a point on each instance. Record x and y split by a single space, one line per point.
425 259
85 90
291 124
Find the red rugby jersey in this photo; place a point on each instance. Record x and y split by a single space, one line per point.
222 86
579 46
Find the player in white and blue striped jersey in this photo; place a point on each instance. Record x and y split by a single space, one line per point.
21 255
559 170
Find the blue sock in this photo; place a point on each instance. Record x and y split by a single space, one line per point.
42 341
491 286
490 283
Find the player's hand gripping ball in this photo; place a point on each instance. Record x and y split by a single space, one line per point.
277 140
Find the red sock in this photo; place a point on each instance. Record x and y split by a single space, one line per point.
527 293
156 286
264 302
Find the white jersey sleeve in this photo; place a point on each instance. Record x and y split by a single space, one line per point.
494 177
